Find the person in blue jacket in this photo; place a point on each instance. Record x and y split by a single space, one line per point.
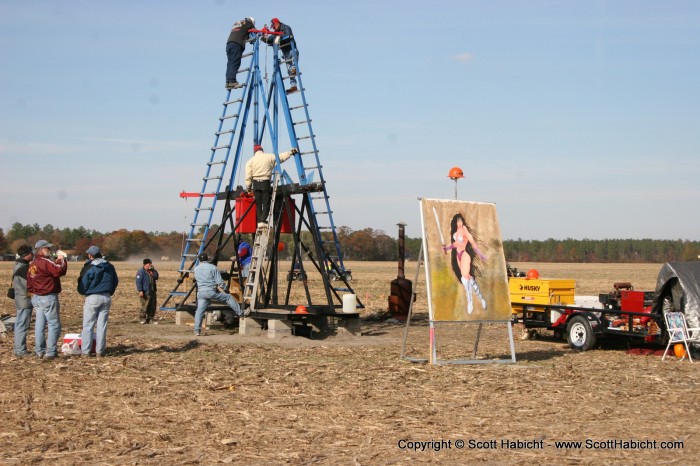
245 254
285 42
146 279
97 282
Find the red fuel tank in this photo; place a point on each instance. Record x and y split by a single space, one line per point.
249 223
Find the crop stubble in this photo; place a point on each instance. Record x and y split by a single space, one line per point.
162 396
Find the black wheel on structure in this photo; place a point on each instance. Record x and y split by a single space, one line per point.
579 334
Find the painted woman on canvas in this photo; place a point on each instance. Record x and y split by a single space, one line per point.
464 254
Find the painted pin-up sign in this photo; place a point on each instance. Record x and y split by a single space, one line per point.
465 264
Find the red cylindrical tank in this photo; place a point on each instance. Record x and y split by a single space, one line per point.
249 223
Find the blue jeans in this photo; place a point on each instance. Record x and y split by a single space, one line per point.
287 55
47 315
95 311
22 321
234 52
204 297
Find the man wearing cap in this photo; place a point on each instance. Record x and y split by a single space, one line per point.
146 286
285 43
209 284
23 303
234 50
97 282
258 173
44 283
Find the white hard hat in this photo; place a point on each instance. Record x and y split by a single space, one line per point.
252 20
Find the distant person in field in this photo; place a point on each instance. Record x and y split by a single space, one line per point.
97 282
464 254
258 174
147 288
44 284
23 303
234 50
285 42
210 287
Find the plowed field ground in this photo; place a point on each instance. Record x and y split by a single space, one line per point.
162 396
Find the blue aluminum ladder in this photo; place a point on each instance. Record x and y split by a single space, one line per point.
216 167
308 162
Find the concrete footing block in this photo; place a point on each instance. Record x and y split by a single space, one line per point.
250 326
183 318
278 328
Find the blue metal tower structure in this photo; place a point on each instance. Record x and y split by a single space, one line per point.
278 112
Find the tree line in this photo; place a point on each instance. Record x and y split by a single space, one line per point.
364 245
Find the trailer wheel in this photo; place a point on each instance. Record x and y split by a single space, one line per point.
579 334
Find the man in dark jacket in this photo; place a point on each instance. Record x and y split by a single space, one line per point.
146 286
23 303
97 282
285 42
44 283
234 50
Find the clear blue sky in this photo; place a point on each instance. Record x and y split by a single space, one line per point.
578 119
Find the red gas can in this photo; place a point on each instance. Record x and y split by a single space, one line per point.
249 223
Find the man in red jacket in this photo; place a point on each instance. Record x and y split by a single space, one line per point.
44 283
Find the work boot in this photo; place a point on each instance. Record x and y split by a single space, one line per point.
292 89
236 85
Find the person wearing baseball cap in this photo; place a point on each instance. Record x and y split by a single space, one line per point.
285 41
258 173
211 287
97 282
147 288
44 283
23 303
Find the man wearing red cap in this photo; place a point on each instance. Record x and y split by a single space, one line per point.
258 173
285 42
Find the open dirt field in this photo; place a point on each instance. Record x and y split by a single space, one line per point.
163 397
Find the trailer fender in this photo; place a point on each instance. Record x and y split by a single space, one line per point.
593 319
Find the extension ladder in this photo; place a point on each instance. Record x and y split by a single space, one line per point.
216 168
308 162
258 259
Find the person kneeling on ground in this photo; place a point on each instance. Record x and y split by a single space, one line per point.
209 282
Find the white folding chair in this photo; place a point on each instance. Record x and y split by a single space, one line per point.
678 332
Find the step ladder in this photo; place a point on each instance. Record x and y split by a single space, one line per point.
216 167
308 163
258 259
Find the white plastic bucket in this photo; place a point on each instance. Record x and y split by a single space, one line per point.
349 303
